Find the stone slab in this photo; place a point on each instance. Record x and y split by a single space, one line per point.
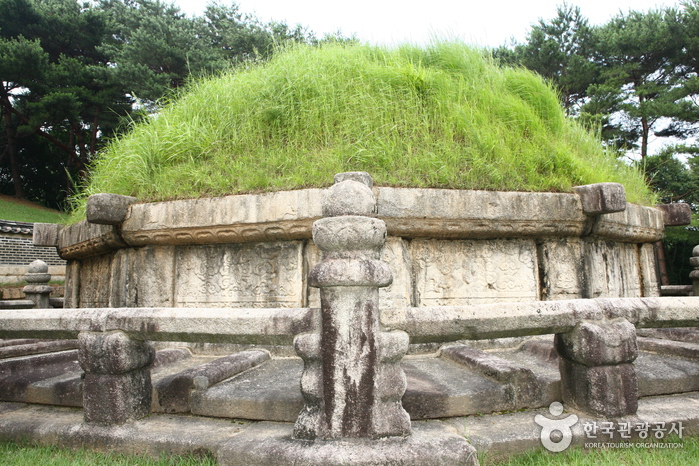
441 388
45 234
454 273
602 198
611 270
283 215
85 239
271 391
174 391
561 269
267 443
675 214
143 277
447 213
638 224
240 275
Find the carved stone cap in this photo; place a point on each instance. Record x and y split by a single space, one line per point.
676 214
602 198
108 209
407 212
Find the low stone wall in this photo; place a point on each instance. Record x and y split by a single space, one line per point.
444 247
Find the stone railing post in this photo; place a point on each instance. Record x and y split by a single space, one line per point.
117 386
597 374
694 274
352 382
38 290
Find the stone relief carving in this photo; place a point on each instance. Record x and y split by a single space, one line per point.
240 275
470 272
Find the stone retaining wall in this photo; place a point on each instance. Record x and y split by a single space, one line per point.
445 247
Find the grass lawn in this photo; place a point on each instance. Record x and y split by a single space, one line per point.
17 454
19 210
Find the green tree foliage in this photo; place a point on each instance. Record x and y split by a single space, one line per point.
634 77
677 181
560 50
640 87
72 73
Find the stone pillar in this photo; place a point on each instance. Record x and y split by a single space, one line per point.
38 290
117 386
694 274
352 381
597 376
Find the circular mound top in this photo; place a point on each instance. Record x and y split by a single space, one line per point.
443 116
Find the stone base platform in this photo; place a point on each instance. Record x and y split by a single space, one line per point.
239 442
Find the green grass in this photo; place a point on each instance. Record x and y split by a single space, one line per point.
29 455
22 211
442 116
688 454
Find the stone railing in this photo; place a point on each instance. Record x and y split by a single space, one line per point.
596 339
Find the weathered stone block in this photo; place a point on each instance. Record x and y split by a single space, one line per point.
602 198
84 239
113 353
611 270
94 281
240 275
110 399
562 269
46 234
676 214
174 390
143 277
606 391
107 208
649 276
523 384
593 344
473 272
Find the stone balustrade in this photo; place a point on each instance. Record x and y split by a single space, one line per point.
580 324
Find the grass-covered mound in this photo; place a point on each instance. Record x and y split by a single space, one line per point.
443 116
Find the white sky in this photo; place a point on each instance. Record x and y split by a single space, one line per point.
486 22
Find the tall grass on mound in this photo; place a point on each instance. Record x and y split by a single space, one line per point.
442 116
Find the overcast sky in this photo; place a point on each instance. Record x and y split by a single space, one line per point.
481 22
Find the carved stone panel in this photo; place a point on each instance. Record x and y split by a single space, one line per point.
397 254
452 273
240 275
612 269
143 277
94 280
562 269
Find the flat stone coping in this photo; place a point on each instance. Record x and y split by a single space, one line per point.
494 437
280 325
408 212
210 325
